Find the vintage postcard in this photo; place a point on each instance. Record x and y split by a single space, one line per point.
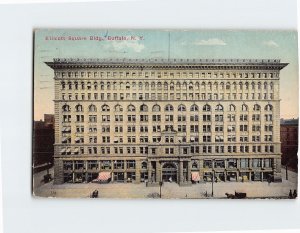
165 114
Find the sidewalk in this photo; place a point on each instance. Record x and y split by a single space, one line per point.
171 190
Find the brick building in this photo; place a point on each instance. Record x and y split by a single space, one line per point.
180 120
289 142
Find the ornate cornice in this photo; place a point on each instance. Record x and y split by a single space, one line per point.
194 64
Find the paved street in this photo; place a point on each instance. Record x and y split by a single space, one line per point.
169 190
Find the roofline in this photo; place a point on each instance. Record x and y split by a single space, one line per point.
59 63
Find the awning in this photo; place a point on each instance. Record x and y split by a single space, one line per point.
64 129
77 139
68 150
195 176
103 176
63 150
64 139
76 150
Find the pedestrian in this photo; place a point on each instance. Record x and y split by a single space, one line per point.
295 193
290 194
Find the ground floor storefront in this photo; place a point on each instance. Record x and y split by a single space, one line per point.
153 171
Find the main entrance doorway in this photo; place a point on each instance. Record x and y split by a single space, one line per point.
169 172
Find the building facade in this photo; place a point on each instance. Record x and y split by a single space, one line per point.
289 142
167 120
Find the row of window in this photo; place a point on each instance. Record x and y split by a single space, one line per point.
131 164
167 150
167 118
167 108
172 96
209 86
157 74
157 128
104 164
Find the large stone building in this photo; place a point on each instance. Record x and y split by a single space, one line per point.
289 142
172 120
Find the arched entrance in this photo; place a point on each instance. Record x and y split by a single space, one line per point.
169 172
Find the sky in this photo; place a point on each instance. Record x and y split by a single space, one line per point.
185 44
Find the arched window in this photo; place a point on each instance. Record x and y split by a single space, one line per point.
89 86
184 85
253 85
102 85
219 107
240 85
115 85
169 108
265 85
131 108
159 85
244 107
197 85
256 107
95 85
269 107
70 85
127 86
206 108
165 86
156 108
203 85
258 85
271 85
246 85
108 85
144 108
222 86
194 108
118 108
66 108
234 85
78 108
92 108
152 85
144 165
133 85
231 108
172 86
105 108
63 85
76 85
121 85
191 86
209 86
181 108
82 85
146 85
178 86
227 86
215 85
140 86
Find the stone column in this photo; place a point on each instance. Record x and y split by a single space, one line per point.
58 171
180 170
149 166
189 175
137 171
158 172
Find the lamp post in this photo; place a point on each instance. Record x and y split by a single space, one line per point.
160 184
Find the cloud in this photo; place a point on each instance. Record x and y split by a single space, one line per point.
121 45
270 43
212 41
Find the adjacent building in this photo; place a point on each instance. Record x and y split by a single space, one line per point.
178 120
43 140
289 142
